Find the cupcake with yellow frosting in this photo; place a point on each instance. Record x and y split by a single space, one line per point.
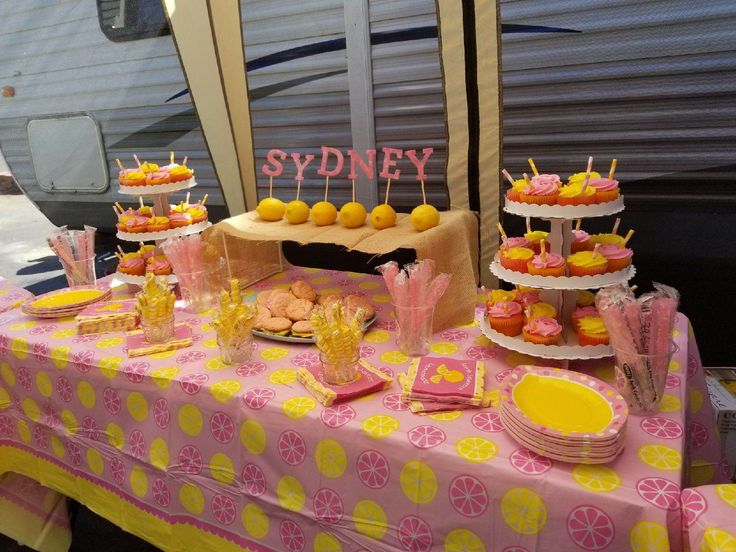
540 310
148 168
605 239
535 238
579 178
574 194
587 263
516 258
514 193
180 173
500 296
592 331
133 178
585 298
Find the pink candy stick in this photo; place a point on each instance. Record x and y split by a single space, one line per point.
389 271
438 287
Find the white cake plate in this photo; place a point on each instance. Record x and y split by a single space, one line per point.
169 188
569 212
170 233
140 280
562 282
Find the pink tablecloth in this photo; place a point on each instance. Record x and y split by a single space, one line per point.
11 296
208 456
709 516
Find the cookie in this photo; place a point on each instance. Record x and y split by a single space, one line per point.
303 328
278 301
299 309
327 299
262 298
262 315
302 290
355 302
277 325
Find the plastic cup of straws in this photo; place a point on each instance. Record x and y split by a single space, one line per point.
415 328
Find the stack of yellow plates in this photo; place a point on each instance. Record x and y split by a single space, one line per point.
564 415
65 302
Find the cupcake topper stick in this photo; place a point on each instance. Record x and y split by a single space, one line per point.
185 161
528 224
533 166
595 250
140 200
628 237
114 208
613 169
578 223
120 165
508 176
327 185
504 237
353 190
204 199
171 157
543 249
587 172
615 225
119 207
634 287
121 250
137 161
526 178
187 200
424 197
388 188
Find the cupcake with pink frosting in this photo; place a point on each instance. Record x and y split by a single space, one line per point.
547 264
606 189
542 331
517 242
542 189
526 296
618 257
506 317
580 242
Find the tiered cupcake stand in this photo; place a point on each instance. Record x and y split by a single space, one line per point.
160 195
562 291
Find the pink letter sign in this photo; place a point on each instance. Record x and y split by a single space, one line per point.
412 155
299 166
326 151
357 161
388 163
278 168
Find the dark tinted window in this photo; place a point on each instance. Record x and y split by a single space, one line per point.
123 20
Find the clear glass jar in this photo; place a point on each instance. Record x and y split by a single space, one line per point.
340 371
158 330
236 351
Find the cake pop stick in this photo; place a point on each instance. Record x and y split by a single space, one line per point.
628 237
507 176
137 161
388 188
533 166
504 237
615 225
353 190
424 197
587 172
327 186
270 186
613 169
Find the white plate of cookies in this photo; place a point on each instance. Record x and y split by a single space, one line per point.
283 314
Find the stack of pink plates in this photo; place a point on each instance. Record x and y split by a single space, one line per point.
564 415
65 302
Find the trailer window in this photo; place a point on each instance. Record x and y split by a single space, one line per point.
124 20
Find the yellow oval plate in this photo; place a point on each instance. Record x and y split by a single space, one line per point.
68 298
